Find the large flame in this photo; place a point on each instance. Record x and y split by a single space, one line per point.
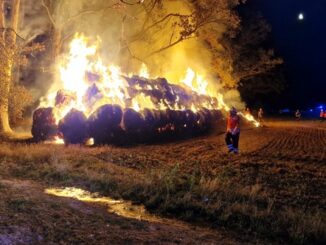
83 70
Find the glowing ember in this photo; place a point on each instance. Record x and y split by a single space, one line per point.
56 141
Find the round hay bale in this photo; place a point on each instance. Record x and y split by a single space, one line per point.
190 119
44 124
134 126
104 123
150 130
74 127
207 120
132 120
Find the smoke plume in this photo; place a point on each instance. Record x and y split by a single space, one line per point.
119 26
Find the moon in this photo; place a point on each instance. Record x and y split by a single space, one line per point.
301 16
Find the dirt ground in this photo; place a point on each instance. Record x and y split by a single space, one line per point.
272 192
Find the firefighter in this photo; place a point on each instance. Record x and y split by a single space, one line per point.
322 114
298 115
233 131
260 115
247 112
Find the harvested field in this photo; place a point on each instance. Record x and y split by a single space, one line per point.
272 192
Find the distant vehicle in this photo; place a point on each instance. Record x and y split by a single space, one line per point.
284 111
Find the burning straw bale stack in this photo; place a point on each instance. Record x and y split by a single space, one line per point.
112 124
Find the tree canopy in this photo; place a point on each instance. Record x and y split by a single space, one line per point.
167 35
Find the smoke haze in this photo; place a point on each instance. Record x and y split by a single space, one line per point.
116 25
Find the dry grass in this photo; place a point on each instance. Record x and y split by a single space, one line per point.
273 190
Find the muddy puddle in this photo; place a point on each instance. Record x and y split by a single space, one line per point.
119 207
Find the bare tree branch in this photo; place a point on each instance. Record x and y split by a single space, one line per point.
133 56
148 13
172 35
11 29
167 46
90 11
48 13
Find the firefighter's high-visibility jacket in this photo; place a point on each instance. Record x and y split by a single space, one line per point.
233 124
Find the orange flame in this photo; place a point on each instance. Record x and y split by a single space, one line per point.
83 60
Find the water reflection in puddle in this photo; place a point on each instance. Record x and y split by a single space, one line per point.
119 207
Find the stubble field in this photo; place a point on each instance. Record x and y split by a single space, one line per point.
193 190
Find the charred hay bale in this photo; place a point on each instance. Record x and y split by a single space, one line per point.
203 121
150 121
179 120
183 122
155 95
171 115
161 123
170 96
207 119
44 124
216 115
217 122
118 136
149 117
207 114
106 115
159 119
134 125
132 120
190 119
104 124
165 125
74 127
168 128
174 117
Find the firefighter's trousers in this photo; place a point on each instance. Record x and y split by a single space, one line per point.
232 141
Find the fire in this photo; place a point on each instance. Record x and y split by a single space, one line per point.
250 118
56 140
88 83
196 82
144 71
221 103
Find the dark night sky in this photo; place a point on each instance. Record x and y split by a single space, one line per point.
302 44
